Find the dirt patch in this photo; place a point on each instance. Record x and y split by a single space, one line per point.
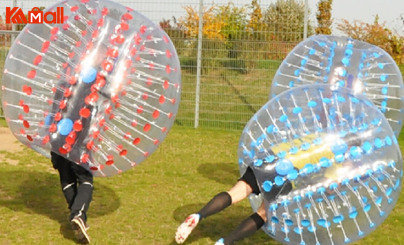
8 142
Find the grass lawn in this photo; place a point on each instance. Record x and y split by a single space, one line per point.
143 205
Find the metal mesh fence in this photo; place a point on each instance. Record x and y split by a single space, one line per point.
228 63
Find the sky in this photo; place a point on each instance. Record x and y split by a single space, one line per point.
389 11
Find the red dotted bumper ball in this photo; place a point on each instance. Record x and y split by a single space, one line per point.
90 88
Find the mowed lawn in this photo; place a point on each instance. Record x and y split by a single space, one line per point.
146 204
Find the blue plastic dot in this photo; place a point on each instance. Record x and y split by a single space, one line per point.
355 152
283 118
367 147
298 230
380 65
383 78
294 150
345 61
384 90
339 147
367 207
297 72
353 214
88 74
282 154
273 207
308 168
270 158
305 222
297 110
274 219
338 218
325 162
333 186
303 61
48 119
288 222
267 186
292 175
389 191
378 143
291 84
283 167
270 129
65 126
305 146
312 51
312 103
388 140
258 162
279 180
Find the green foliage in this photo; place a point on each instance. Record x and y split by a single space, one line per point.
323 17
285 20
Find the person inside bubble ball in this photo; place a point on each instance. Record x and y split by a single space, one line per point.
248 184
76 179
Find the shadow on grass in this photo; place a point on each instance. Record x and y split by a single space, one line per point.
223 173
41 193
219 225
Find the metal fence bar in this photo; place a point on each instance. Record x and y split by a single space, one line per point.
199 65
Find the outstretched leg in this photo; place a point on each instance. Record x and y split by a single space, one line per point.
244 187
247 228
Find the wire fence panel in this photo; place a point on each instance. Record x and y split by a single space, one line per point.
243 42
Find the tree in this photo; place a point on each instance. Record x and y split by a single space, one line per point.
323 17
376 34
256 26
285 20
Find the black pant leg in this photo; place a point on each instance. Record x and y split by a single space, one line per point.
67 177
84 191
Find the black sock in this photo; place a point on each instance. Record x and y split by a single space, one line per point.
216 204
248 227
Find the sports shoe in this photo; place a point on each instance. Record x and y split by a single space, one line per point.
220 242
80 228
186 228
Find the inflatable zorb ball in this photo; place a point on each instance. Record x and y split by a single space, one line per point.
349 63
101 89
327 163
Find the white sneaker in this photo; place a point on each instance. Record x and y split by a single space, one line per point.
220 242
186 228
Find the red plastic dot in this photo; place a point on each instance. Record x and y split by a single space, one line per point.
26 123
136 141
166 40
25 108
146 154
164 129
71 138
127 16
124 25
151 66
74 8
37 59
104 11
52 128
134 123
127 136
145 96
173 100
168 69
84 112
166 84
123 153
143 29
168 53
58 116
146 127
84 158
93 168
110 160
170 115
78 126
91 98
65 26
156 114
156 141
31 74
90 144
107 66
45 46
54 30
162 99
73 80
29 137
113 52
139 109
45 140
62 104
67 93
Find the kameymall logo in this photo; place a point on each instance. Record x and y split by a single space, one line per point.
35 16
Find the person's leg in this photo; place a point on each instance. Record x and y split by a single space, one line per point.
66 176
247 228
84 192
81 203
244 187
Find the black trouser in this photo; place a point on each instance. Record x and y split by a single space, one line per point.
77 185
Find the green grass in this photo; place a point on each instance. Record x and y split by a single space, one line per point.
143 205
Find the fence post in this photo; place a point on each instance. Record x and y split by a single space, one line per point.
306 18
199 64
